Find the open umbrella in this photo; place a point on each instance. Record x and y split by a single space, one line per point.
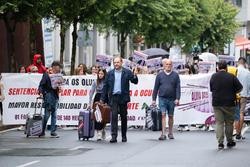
208 57
156 52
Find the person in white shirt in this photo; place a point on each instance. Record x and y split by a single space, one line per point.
243 75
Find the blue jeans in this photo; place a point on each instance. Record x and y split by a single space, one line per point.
50 109
166 106
237 112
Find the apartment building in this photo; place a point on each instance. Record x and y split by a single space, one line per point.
242 37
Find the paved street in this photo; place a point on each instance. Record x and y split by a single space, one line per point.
189 149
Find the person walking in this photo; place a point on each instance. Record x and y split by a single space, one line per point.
233 70
96 89
49 91
243 75
116 88
223 102
167 87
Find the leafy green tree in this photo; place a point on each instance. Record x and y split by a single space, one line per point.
88 13
201 18
183 22
135 17
208 23
222 28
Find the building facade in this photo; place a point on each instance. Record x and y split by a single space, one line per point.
242 37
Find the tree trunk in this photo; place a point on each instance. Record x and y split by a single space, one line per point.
123 44
10 24
74 38
62 37
3 48
36 40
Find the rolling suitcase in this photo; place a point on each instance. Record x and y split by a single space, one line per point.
86 125
148 120
34 123
156 118
105 111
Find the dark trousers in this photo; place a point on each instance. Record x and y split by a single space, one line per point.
50 104
1 108
118 108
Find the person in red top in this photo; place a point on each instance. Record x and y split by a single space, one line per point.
37 61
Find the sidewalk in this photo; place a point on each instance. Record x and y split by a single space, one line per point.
5 127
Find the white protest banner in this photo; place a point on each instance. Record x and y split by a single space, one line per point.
21 92
195 103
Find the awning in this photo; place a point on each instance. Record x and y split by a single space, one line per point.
242 42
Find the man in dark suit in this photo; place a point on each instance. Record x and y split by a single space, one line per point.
116 89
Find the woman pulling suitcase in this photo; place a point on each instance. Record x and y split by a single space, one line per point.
97 88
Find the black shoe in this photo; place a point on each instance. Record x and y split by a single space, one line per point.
238 136
231 144
54 135
170 136
42 134
124 139
162 137
113 140
220 146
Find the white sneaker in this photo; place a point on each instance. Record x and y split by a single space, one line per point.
180 128
99 135
243 131
186 128
234 132
21 128
210 128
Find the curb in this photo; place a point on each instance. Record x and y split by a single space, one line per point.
8 130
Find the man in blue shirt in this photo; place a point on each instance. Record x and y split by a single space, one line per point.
167 86
116 89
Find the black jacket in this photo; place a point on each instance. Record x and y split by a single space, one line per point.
45 86
126 77
224 87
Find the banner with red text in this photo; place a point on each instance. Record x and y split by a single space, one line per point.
21 91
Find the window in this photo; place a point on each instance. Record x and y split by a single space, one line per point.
239 3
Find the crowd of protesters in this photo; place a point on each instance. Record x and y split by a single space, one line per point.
100 90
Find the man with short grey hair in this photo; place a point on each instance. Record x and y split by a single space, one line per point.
167 87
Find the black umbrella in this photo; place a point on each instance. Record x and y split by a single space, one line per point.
156 52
